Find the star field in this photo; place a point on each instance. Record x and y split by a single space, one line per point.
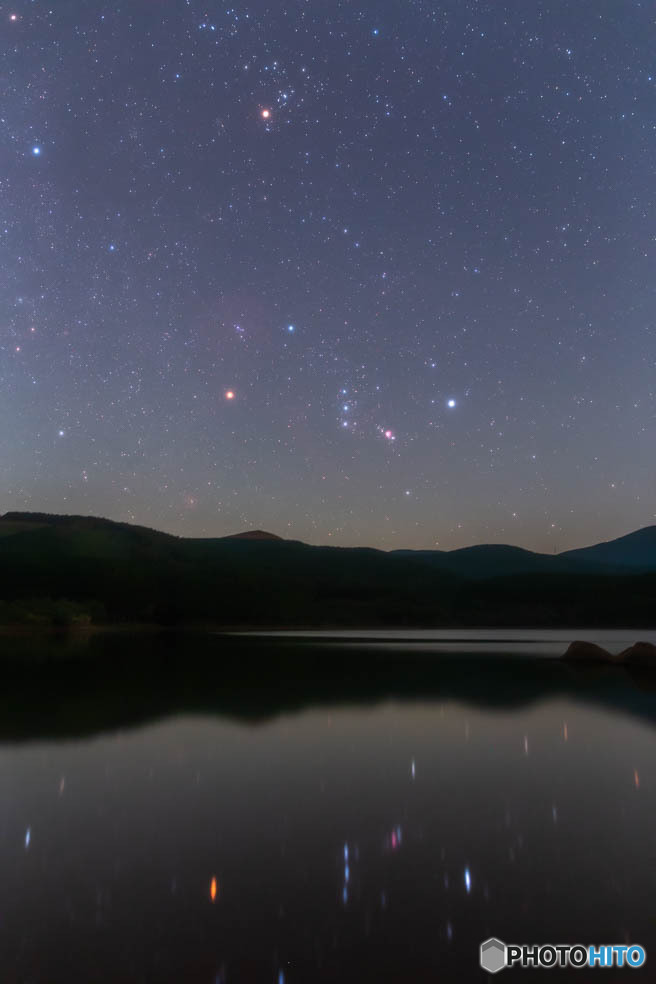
354 273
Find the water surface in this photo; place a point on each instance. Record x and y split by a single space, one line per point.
204 809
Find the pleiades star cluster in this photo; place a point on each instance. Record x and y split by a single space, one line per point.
356 273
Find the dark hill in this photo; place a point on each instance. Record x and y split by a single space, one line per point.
116 572
252 535
488 560
637 550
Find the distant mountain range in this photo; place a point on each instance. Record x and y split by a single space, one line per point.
67 568
633 552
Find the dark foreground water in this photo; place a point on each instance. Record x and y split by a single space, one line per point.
202 809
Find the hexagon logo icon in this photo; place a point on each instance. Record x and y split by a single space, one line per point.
493 955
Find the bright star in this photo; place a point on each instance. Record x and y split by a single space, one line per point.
36 151
290 328
265 114
451 403
229 395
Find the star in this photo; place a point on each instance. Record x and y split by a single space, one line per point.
36 150
451 403
229 395
265 114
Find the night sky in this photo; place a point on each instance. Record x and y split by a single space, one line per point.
356 273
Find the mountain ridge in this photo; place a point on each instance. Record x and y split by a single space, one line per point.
60 569
641 542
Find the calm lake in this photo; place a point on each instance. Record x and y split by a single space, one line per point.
304 808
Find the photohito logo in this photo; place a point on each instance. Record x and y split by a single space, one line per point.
495 955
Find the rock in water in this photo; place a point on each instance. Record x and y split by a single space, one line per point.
588 651
642 653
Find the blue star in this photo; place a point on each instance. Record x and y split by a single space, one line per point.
36 150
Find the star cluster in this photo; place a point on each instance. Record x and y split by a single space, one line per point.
354 273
